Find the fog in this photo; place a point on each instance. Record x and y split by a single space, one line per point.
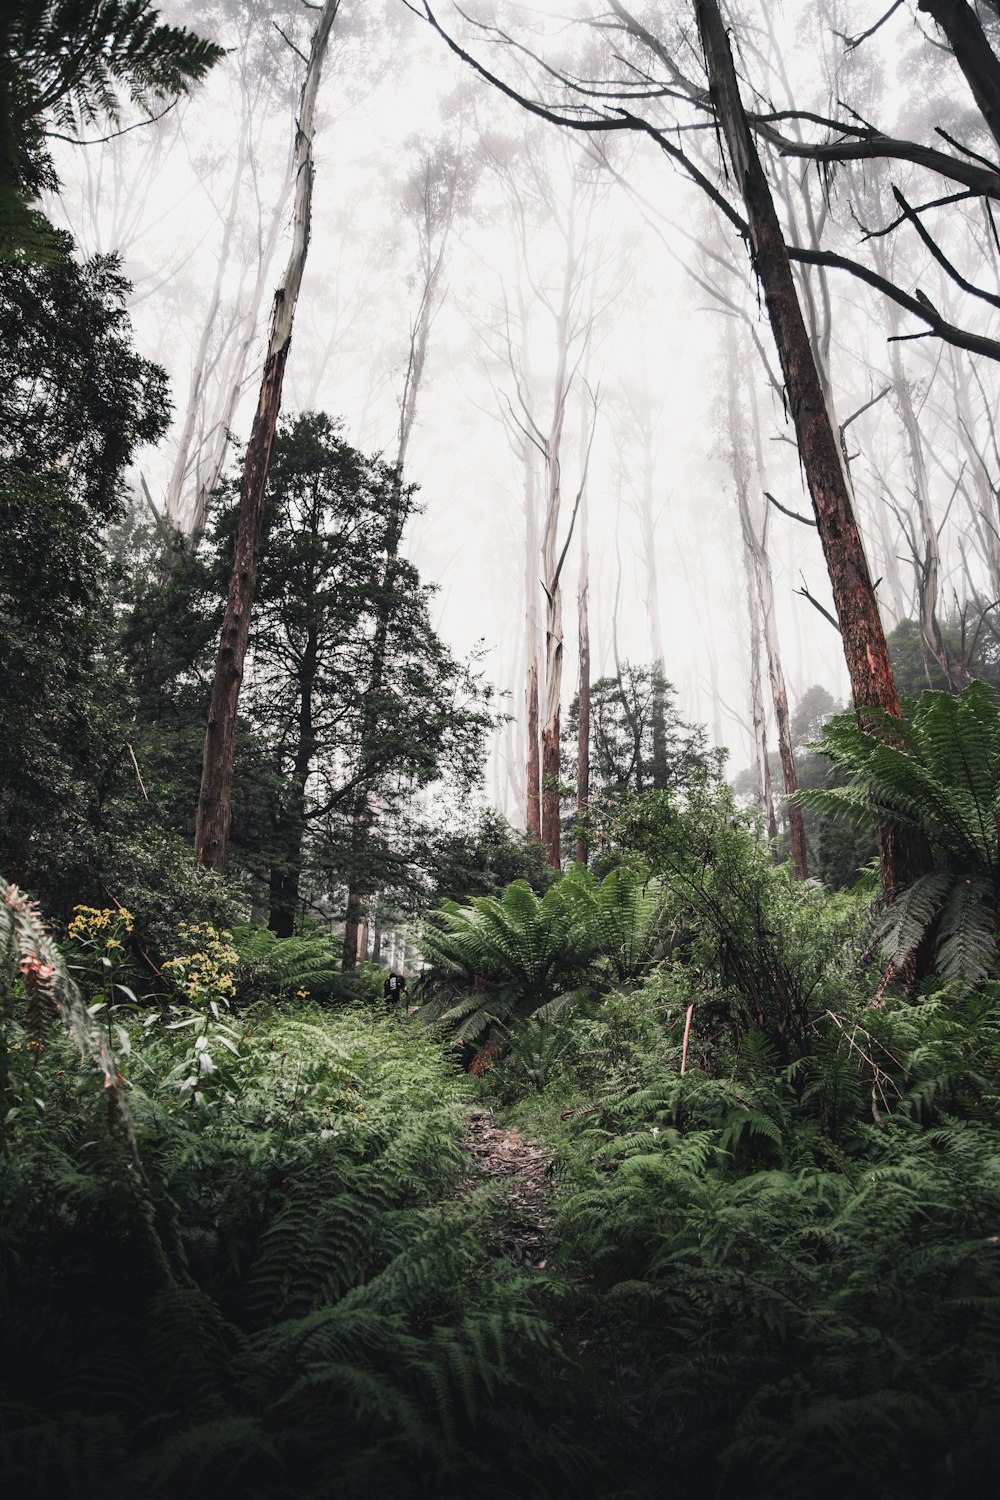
664 297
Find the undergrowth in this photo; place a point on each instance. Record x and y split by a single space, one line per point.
236 1259
789 1274
278 1295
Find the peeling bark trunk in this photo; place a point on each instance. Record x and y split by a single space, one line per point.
215 799
865 650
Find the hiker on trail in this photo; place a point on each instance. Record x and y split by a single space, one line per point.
394 989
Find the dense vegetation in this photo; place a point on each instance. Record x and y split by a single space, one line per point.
244 1263
243 1248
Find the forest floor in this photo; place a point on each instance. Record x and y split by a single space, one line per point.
605 1384
522 1172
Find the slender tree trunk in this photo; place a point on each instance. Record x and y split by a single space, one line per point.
756 542
925 547
779 697
757 714
659 769
551 567
583 690
533 767
286 872
215 800
433 257
534 762
865 650
741 483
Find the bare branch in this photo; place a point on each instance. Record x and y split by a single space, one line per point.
917 304
794 514
101 140
862 409
804 591
851 42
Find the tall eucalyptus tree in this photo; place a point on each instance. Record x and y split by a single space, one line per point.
214 802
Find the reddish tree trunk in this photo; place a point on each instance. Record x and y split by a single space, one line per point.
865 649
215 798
214 806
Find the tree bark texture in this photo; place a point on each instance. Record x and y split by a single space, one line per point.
973 54
865 649
533 818
215 799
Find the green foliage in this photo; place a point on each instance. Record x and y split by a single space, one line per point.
64 61
798 1260
511 956
638 739
480 854
936 774
37 989
75 402
283 1300
153 875
296 968
771 951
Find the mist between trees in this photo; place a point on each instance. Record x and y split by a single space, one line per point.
667 321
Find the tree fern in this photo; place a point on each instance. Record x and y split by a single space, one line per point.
509 957
937 773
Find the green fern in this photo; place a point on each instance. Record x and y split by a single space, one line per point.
936 773
276 968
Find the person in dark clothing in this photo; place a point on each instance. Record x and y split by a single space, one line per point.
395 989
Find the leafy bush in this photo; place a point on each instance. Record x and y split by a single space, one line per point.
770 952
296 968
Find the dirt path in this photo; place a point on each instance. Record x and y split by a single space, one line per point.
504 1157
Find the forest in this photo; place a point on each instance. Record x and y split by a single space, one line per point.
500 749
